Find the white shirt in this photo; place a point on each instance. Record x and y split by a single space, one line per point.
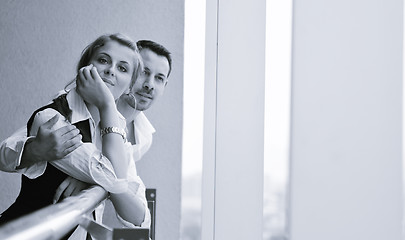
11 149
143 131
86 163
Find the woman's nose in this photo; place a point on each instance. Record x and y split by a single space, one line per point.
109 71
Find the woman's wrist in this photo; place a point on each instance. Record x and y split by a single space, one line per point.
115 130
107 106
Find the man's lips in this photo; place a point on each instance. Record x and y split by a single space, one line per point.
144 95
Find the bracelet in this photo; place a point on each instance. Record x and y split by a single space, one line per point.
116 130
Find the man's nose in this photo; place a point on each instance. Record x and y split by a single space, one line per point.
148 83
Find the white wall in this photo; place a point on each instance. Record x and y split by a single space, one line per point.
346 120
41 42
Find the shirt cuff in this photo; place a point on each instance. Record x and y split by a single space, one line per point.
102 172
20 149
32 171
145 224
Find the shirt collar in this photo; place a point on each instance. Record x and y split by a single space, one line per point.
78 107
142 123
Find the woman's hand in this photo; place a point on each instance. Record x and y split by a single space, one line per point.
69 187
92 88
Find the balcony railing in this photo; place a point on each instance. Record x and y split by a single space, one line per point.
54 221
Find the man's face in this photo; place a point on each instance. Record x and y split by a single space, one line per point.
151 83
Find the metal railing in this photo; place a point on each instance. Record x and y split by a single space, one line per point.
54 221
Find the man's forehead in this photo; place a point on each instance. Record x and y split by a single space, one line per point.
155 62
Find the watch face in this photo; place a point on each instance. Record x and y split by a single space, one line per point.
131 234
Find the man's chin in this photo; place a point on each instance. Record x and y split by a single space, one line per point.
142 107
131 101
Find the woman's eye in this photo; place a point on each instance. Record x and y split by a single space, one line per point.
102 60
122 69
160 79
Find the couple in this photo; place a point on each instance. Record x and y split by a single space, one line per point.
94 133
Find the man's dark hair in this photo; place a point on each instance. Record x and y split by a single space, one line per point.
156 48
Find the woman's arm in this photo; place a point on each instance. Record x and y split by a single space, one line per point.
127 205
89 164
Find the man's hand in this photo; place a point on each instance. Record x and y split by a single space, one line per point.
69 187
50 144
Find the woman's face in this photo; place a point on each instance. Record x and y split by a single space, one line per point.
115 65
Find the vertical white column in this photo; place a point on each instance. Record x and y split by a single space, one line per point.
209 135
234 120
346 120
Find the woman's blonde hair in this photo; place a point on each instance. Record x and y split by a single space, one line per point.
88 52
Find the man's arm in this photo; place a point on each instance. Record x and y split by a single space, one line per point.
10 149
49 144
18 152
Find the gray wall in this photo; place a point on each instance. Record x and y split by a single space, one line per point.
41 42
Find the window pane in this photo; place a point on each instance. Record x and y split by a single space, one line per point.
194 52
277 119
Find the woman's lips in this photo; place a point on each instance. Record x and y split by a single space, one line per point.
109 81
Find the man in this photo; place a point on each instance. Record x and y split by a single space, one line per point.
26 155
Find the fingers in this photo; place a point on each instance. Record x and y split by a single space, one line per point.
88 72
80 78
94 74
72 145
72 139
61 189
83 76
70 189
77 189
65 140
48 124
67 132
78 186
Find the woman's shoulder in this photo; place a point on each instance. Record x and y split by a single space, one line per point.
58 105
